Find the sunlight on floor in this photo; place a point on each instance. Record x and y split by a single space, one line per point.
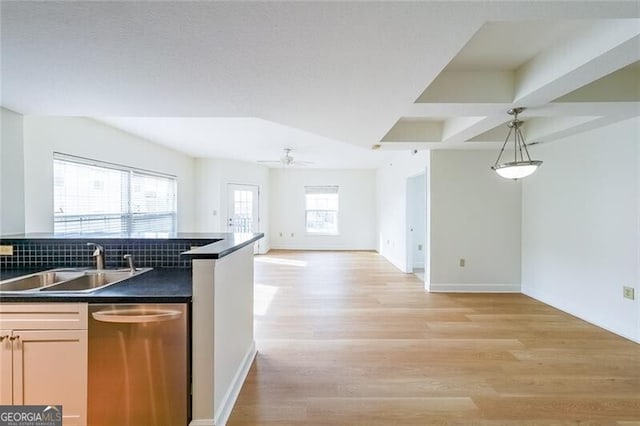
280 261
263 296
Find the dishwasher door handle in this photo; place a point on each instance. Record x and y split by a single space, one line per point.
135 316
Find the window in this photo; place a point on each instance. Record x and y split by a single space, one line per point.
91 197
321 209
242 211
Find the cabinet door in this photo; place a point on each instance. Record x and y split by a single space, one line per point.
50 368
6 374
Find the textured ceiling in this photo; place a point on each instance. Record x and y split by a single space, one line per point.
330 79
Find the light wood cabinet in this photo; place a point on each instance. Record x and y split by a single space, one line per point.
43 357
6 368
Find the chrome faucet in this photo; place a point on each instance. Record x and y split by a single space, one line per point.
132 266
98 253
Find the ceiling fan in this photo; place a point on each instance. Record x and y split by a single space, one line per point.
286 160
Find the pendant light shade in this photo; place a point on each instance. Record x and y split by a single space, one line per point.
522 164
517 169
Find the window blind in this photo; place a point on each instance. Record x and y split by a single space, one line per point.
321 213
321 189
92 197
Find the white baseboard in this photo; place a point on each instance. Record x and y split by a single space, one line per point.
293 247
541 297
230 397
202 422
474 288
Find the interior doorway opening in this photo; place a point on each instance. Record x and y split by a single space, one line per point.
417 225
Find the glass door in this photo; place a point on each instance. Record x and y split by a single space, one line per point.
243 208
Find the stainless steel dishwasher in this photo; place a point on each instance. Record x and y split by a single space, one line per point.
138 365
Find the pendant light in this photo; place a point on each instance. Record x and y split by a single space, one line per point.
522 164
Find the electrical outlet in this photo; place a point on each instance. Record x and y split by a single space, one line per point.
6 250
628 292
461 262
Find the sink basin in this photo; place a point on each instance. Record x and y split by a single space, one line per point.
68 280
37 281
94 280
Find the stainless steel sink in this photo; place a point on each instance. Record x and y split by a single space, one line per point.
68 280
94 280
38 280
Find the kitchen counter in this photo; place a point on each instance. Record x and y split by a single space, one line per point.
166 283
177 251
160 285
223 246
217 244
212 272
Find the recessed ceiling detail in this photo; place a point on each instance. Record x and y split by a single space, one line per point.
572 75
537 129
415 130
507 46
321 75
470 87
619 86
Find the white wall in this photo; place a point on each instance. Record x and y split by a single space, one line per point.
356 217
391 194
11 173
233 345
87 138
581 227
212 178
475 215
222 334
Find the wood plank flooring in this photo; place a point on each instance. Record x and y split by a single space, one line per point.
346 339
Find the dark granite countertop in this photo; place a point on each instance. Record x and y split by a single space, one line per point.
160 285
215 245
223 247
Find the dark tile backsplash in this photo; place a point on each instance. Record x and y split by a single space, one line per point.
75 253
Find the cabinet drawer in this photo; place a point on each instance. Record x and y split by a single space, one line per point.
43 316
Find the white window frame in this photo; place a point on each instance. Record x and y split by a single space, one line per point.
129 214
316 189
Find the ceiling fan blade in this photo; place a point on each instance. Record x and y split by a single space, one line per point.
286 160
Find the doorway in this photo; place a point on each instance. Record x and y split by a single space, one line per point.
243 209
417 225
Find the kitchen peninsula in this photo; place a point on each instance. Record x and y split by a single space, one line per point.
223 299
211 272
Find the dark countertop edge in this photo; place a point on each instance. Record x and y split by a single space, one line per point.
222 248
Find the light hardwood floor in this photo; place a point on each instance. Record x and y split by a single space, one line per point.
349 340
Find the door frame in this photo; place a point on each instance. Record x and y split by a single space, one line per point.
410 205
230 187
